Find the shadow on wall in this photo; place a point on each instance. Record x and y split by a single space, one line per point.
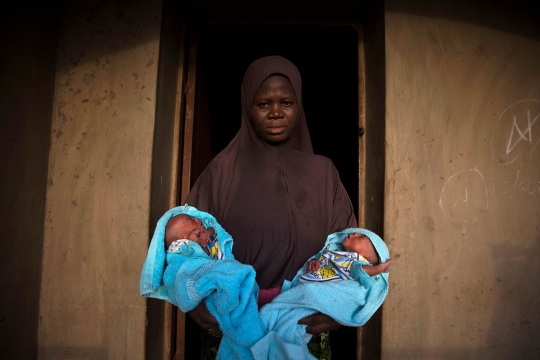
72 352
515 322
27 57
102 29
514 328
518 17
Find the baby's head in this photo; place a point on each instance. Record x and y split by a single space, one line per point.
182 226
362 245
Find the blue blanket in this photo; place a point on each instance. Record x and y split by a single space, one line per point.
349 302
188 277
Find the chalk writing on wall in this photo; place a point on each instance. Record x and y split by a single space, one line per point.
520 184
464 196
517 132
516 136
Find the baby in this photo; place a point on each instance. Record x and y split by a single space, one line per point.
188 275
353 254
183 228
335 264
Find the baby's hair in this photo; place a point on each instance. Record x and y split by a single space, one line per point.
169 236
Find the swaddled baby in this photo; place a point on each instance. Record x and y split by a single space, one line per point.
184 229
356 255
336 259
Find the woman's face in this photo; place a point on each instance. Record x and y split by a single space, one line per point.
275 110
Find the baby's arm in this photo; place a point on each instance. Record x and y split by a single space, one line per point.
313 265
377 269
202 237
205 238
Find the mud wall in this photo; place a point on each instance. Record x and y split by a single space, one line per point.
98 192
462 193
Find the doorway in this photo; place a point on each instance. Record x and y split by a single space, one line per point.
327 58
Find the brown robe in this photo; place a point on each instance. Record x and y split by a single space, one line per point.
279 202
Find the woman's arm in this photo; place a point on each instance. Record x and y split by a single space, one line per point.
202 317
319 323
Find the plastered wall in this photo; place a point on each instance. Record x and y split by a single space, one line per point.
462 193
98 192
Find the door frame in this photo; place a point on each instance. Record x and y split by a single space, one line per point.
173 154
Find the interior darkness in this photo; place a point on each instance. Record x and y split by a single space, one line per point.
327 57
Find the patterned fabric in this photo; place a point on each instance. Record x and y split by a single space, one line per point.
213 247
176 244
318 346
210 340
334 265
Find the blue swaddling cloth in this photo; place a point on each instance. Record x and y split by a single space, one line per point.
349 302
151 282
189 276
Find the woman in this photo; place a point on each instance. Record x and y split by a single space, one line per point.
276 198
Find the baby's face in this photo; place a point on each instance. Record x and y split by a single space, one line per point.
190 227
361 244
182 227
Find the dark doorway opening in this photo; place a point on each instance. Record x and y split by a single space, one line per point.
327 58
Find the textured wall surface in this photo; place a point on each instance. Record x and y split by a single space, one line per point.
462 203
98 191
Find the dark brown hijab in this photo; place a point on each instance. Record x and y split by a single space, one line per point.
279 202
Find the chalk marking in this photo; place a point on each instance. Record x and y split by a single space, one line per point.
480 203
517 134
515 186
534 147
522 135
456 200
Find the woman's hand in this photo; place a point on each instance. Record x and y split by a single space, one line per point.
202 317
319 323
